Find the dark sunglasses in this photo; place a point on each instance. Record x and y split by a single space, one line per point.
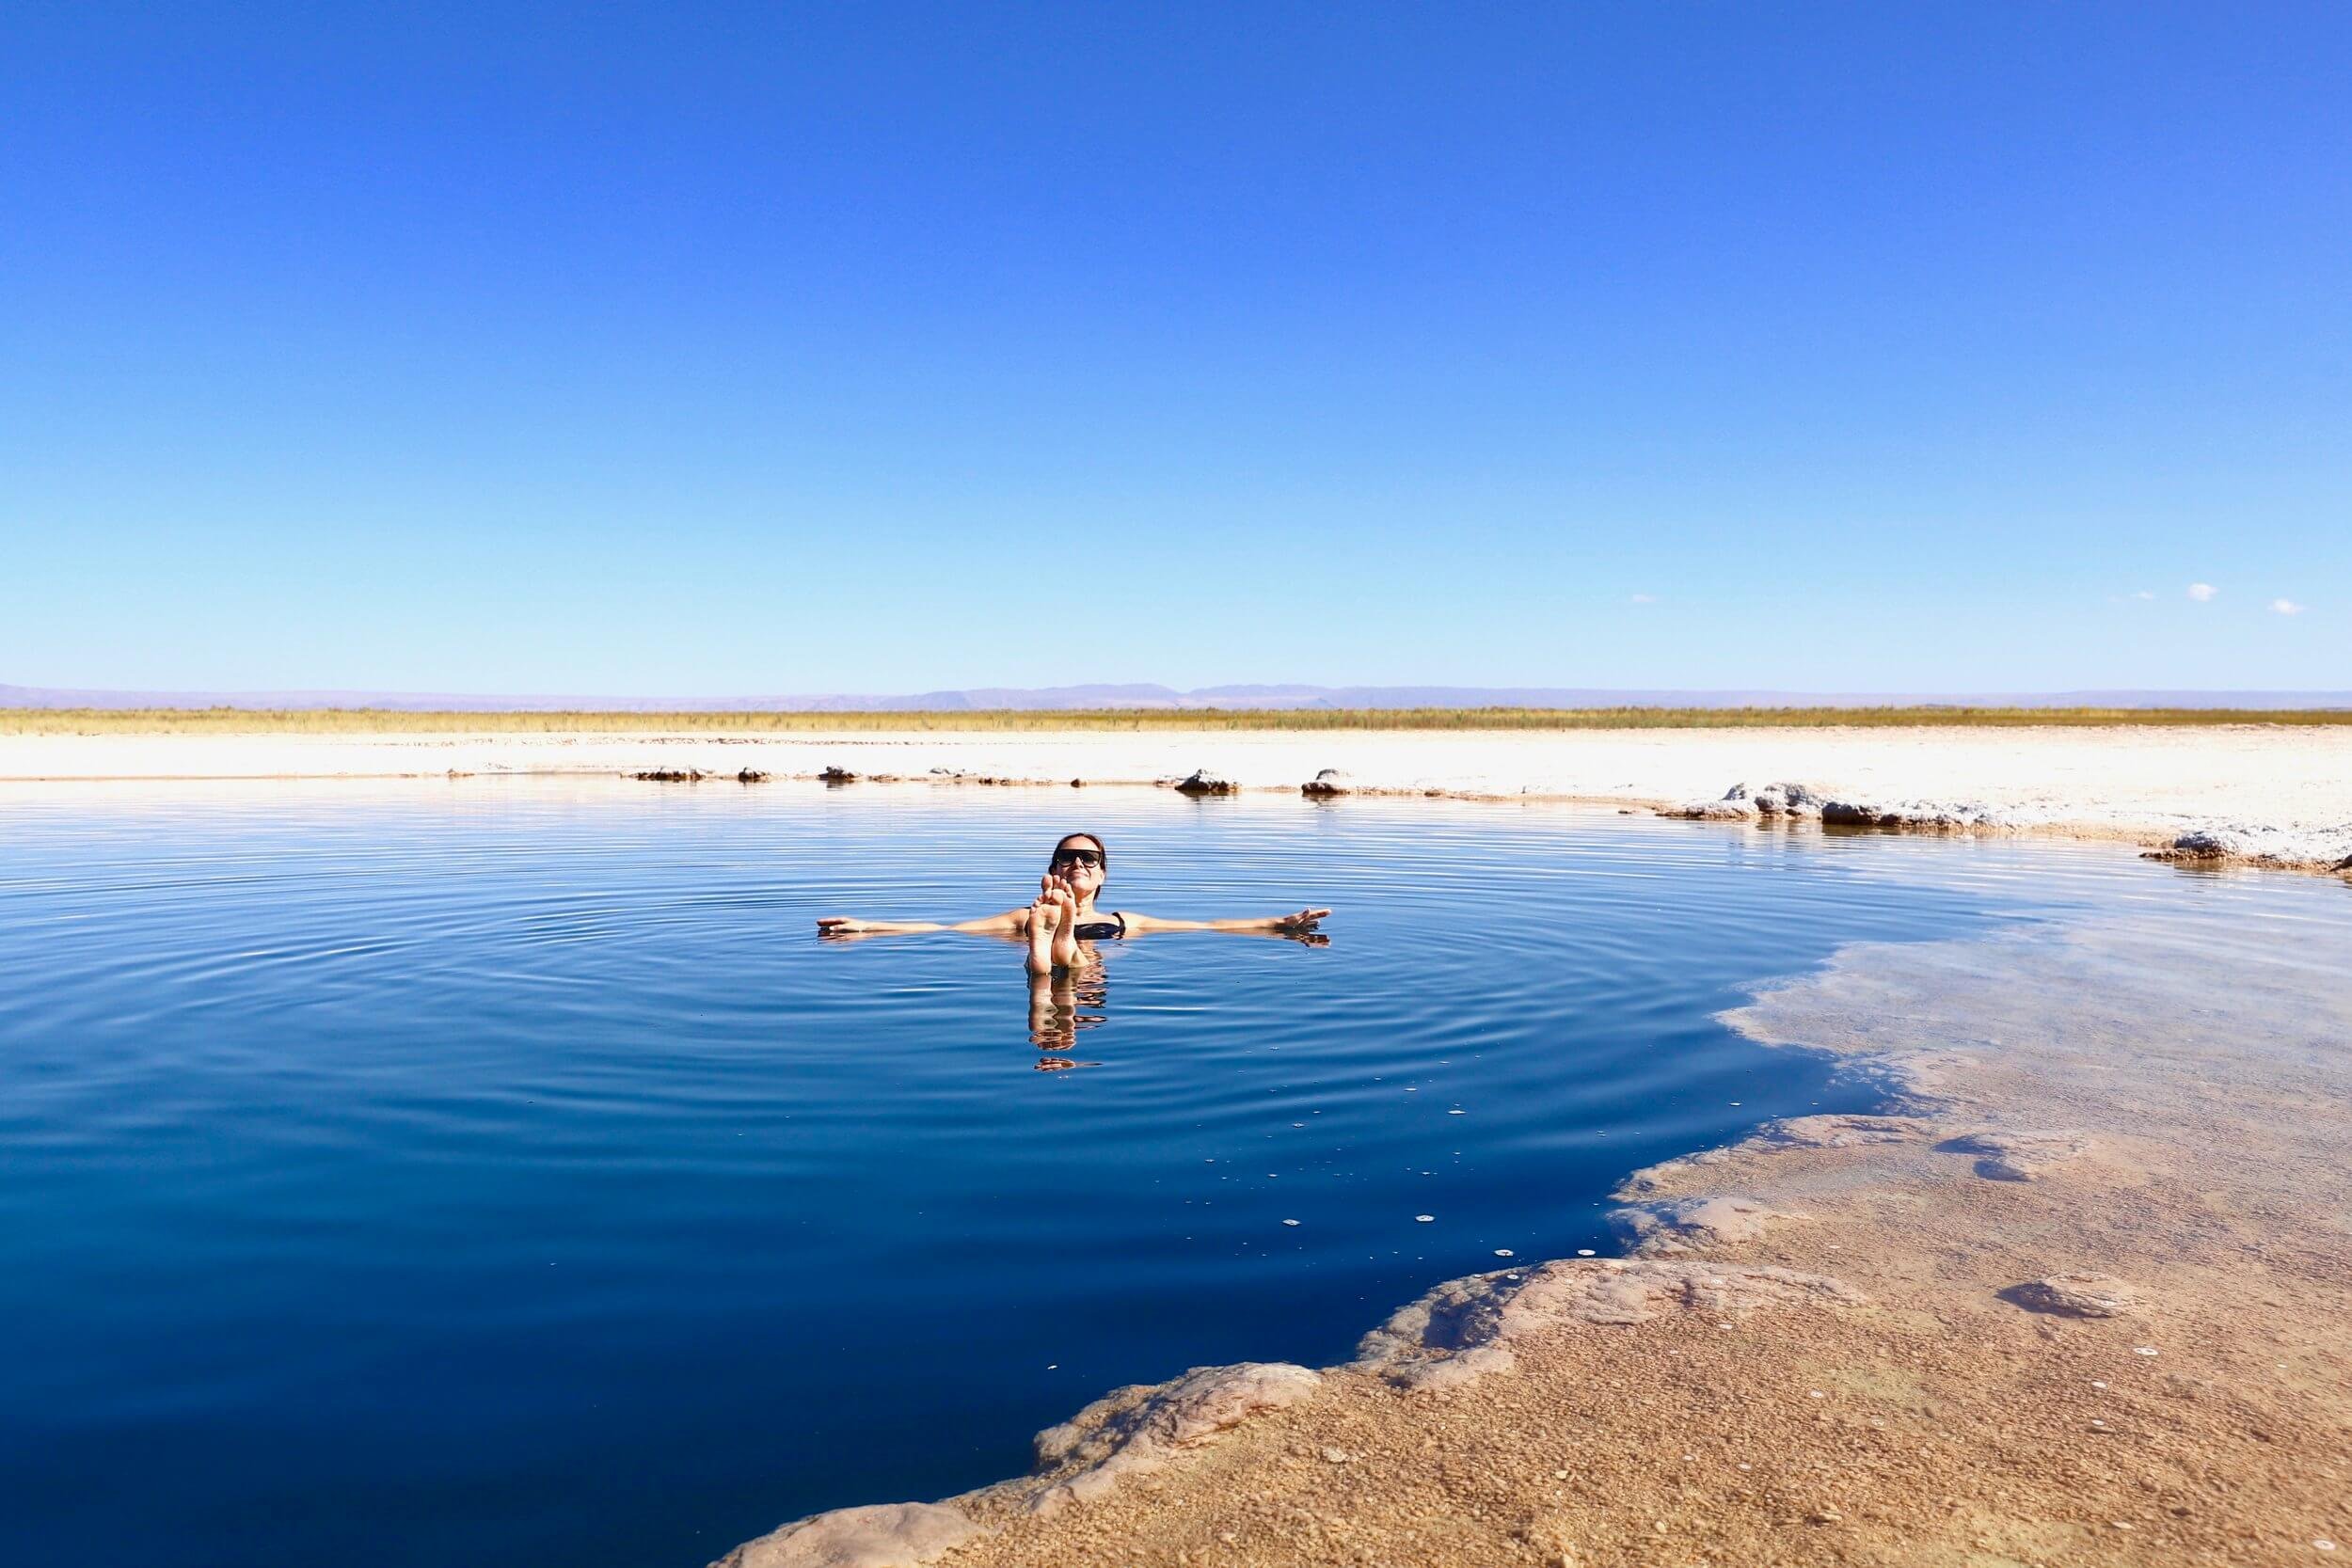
1078 857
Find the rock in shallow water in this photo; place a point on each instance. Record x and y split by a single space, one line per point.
1133 1429
1691 1224
1788 799
2079 1295
2286 849
886 1535
2020 1156
1735 807
1204 782
1742 802
1917 816
1829 1130
1463 1329
1835 1131
1128 1433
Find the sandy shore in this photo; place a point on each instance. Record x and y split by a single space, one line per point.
2077 1295
2273 794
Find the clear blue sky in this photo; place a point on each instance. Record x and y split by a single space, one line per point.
708 350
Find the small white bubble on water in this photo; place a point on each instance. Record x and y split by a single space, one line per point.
1290 1222
1583 1252
1425 1218
1503 1252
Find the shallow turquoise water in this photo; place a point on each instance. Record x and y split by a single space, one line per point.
502 1169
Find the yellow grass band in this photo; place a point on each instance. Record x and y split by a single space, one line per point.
226 721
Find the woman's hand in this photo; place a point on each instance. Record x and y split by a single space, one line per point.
1300 923
840 926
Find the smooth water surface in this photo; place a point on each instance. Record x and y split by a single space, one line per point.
502 1170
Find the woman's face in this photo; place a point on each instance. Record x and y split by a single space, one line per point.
1078 860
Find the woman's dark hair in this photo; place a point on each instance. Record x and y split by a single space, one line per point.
1101 849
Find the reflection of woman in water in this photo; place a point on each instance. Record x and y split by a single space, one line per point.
1061 1002
1063 918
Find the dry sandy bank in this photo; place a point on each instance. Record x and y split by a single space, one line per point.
1827 1344
2255 791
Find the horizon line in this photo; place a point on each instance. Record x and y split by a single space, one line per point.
1140 697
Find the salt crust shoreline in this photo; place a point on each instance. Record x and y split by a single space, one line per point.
2259 795
2164 1096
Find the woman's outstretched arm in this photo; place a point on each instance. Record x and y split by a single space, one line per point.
1285 924
1010 922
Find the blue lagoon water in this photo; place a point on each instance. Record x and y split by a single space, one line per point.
449 1172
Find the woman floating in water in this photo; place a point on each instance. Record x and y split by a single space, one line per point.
1063 914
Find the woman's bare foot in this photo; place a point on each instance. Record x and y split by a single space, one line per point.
1066 954
1045 922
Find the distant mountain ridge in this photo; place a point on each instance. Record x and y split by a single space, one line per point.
1144 695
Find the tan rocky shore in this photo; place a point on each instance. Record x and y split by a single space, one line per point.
2076 1293
2270 795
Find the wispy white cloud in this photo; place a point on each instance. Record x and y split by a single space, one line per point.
2285 607
1645 598
2143 594
2202 592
